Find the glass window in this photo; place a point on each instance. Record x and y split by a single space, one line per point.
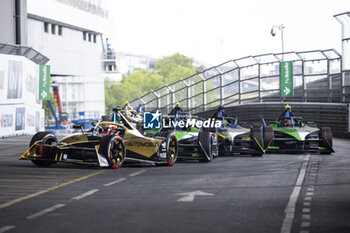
84 35
46 27
53 28
60 30
94 38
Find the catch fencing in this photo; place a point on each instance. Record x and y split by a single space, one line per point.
317 77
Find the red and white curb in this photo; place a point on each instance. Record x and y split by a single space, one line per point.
311 178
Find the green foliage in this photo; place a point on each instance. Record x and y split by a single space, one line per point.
168 65
135 85
178 72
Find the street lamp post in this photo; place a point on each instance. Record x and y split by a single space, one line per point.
273 33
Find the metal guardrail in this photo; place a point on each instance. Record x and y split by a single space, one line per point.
27 52
317 78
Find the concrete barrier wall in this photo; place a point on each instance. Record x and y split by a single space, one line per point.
334 115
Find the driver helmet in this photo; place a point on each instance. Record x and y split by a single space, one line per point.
288 122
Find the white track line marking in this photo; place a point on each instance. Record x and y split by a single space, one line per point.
6 228
85 194
115 182
137 173
306 216
48 210
306 210
290 208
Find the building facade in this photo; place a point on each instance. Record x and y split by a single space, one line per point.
70 34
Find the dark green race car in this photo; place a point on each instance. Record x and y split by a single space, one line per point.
239 139
291 134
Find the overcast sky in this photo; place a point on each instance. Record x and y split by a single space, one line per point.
214 31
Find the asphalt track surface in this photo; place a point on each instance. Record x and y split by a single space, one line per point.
275 193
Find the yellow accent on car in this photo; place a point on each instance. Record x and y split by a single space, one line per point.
223 136
288 107
259 145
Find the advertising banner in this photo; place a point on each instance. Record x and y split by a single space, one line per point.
287 79
44 82
7 120
15 73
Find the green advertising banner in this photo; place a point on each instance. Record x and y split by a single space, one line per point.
44 82
286 79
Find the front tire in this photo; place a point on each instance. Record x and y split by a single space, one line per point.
113 149
46 153
172 150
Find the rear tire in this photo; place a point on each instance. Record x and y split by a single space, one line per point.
46 153
113 149
205 142
268 136
327 136
257 141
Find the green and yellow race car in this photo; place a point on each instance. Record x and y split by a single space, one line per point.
292 134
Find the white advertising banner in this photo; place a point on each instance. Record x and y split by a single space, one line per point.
20 119
20 108
7 120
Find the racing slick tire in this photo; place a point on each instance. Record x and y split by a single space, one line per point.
171 150
206 147
113 149
257 141
325 133
267 136
46 153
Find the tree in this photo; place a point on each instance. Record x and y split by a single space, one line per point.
169 67
135 85
141 81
